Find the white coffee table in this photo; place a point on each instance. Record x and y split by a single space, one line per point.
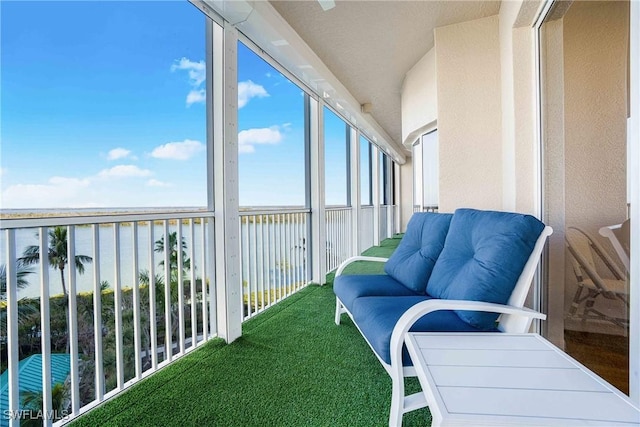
506 379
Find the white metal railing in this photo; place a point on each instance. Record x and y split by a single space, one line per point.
386 224
136 290
274 252
366 227
338 235
430 208
122 295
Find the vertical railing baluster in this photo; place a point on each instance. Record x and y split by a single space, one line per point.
332 236
262 250
245 248
247 259
136 299
73 320
203 266
326 234
253 284
308 246
153 327
180 286
294 249
117 296
45 325
299 248
340 236
12 326
337 238
301 242
278 257
352 247
288 248
97 315
168 341
285 260
194 307
269 258
334 242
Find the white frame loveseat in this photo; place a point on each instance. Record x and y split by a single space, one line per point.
428 242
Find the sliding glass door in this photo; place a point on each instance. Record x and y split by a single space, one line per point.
584 99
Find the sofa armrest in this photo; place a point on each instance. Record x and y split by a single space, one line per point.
425 307
348 261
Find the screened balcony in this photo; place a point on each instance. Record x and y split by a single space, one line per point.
197 170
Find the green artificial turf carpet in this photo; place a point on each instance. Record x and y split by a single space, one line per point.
292 367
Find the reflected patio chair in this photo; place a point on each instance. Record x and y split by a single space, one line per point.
619 235
585 252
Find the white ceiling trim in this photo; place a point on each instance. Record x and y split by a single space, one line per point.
262 24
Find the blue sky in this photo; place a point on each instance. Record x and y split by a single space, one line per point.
102 105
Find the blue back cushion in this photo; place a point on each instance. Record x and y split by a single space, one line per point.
482 259
413 260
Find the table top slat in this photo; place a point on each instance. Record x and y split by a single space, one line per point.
587 406
510 358
506 379
514 378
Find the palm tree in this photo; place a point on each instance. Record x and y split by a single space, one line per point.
21 274
60 399
173 247
26 307
57 254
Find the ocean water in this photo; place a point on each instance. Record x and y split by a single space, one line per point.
107 258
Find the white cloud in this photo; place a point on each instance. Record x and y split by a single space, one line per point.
196 70
122 171
156 183
57 192
197 76
183 150
118 153
249 138
3 171
248 90
196 95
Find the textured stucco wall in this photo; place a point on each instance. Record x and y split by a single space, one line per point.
469 114
526 170
419 99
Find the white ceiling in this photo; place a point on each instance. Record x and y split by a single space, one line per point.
370 45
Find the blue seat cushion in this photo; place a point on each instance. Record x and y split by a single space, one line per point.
349 287
377 316
482 259
412 262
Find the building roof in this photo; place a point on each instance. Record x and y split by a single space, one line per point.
30 377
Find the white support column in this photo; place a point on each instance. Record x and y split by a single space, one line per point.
355 192
389 189
375 177
225 157
214 84
634 179
397 196
318 229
